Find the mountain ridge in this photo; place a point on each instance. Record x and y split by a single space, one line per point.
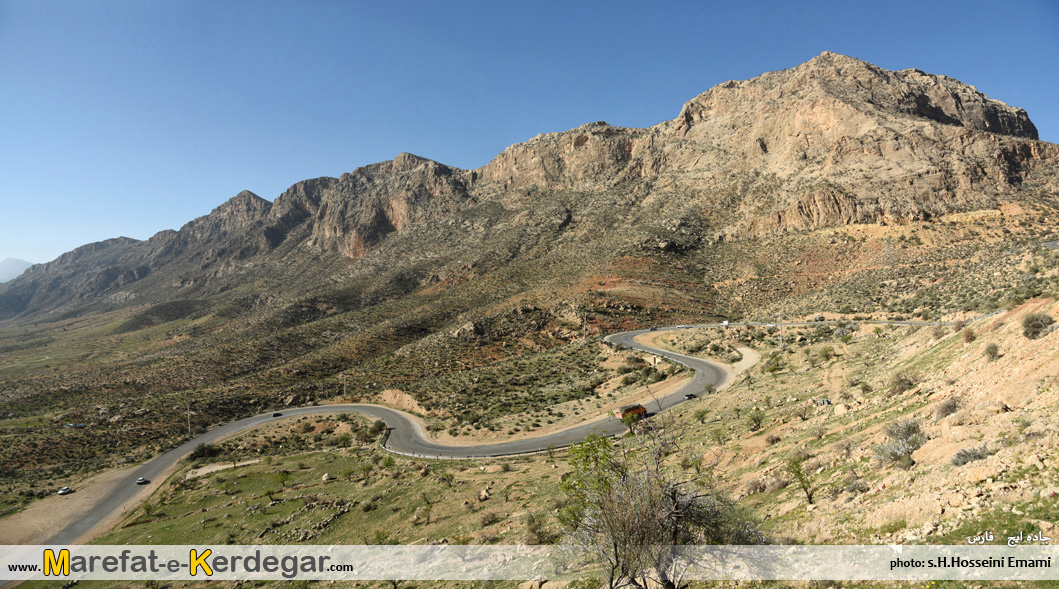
831 142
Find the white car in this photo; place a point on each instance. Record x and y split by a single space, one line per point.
65 491
142 481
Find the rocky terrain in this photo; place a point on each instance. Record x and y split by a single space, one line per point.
833 142
835 187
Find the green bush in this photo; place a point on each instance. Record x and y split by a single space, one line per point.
204 451
905 438
992 351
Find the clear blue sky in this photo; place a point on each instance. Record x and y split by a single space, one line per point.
128 117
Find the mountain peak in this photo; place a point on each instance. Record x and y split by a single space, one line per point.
854 88
407 161
243 204
11 268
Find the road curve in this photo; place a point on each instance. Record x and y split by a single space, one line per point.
406 436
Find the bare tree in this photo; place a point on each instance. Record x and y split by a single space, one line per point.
631 508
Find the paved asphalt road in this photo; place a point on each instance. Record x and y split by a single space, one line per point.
407 436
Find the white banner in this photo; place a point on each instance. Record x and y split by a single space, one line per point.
862 563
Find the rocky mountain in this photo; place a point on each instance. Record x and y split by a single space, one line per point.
834 187
831 142
11 268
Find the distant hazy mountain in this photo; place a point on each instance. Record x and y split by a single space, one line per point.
11 268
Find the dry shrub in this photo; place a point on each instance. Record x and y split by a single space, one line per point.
947 408
846 447
902 381
777 483
854 484
755 485
970 455
1036 325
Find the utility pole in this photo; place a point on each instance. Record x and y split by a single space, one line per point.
779 321
187 401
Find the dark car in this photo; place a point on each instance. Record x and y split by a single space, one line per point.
690 396
277 414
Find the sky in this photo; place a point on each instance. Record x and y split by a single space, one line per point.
127 117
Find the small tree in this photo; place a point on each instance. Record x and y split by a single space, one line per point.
992 351
630 509
846 446
797 472
535 531
700 415
631 420
719 436
754 419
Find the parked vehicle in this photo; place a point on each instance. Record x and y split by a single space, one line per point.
65 491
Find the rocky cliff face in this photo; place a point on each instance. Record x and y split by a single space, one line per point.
833 141
362 208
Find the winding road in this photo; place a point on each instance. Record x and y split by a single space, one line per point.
407 435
